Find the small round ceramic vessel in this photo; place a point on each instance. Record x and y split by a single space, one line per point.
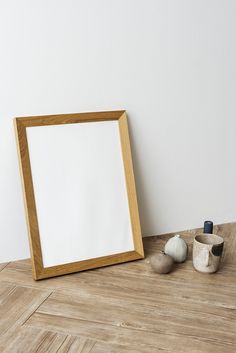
207 252
161 262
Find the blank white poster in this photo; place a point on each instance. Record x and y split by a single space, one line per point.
80 191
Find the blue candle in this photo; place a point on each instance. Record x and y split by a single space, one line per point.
208 227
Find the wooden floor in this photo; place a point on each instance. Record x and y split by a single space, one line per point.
124 308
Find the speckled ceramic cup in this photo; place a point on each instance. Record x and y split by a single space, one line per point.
207 252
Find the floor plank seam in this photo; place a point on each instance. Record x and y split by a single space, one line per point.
42 342
52 339
19 324
12 289
29 286
4 266
10 292
93 345
120 325
23 323
62 343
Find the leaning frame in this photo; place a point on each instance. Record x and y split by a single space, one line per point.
39 271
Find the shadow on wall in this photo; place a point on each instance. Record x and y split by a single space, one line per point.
144 206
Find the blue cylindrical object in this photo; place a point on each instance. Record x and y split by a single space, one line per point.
208 227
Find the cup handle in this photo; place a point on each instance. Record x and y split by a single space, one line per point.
217 250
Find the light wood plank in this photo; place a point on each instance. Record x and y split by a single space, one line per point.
204 319
189 284
129 336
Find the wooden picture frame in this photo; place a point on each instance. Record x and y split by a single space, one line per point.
39 270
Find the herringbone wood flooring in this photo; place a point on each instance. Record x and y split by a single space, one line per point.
124 308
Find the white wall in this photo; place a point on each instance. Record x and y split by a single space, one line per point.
170 63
